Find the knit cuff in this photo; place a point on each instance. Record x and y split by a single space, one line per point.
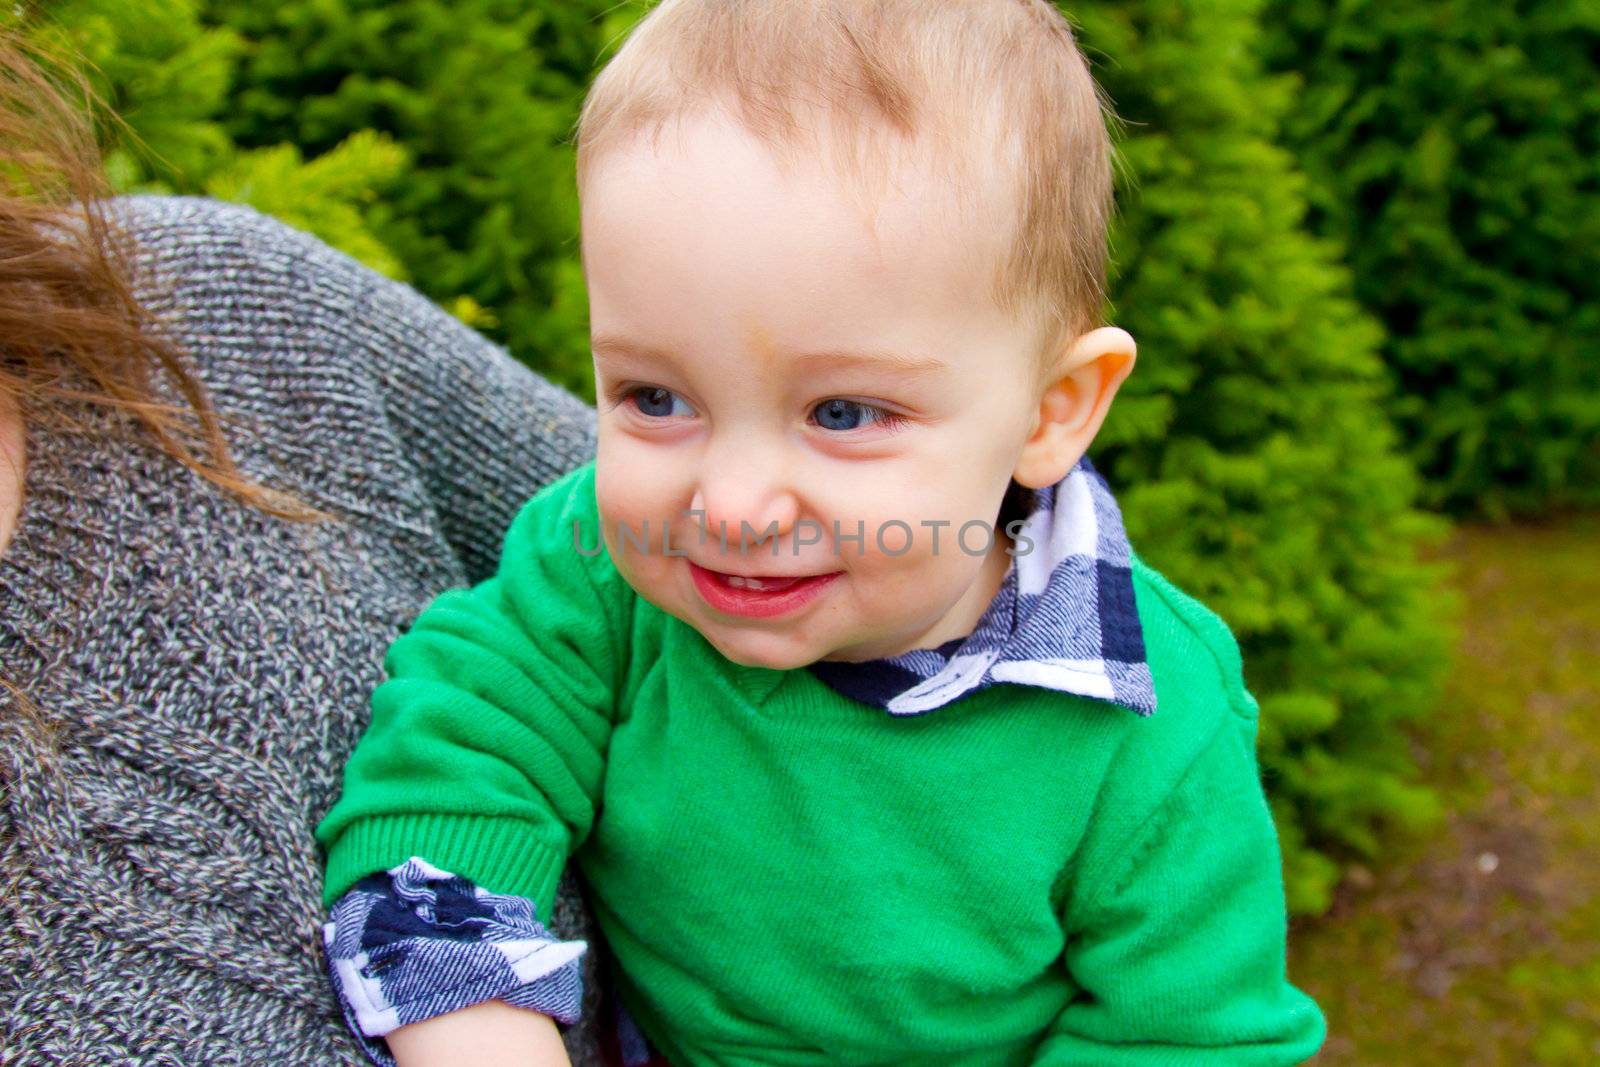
504 854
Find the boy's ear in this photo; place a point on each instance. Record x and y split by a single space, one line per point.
1078 392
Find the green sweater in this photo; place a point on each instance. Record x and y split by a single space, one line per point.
787 876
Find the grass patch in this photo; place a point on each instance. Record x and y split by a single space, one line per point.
1479 945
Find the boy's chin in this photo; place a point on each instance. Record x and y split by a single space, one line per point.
767 651
769 657
793 657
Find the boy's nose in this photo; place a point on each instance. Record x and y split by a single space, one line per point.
746 498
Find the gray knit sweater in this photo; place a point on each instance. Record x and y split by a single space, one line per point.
193 672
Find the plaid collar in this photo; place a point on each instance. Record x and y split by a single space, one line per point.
1064 618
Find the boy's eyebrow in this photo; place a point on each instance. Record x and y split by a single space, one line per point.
621 347
899 361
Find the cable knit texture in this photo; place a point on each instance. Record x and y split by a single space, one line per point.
185 675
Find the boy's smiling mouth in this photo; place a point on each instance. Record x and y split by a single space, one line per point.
758 596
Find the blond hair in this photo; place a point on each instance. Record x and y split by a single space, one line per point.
995 85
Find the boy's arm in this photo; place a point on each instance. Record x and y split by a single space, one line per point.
415 943
486 750
1180 944
490 1034
485 756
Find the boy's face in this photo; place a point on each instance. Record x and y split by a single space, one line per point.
762 358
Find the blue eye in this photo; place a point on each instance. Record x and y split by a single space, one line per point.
658 403
840 414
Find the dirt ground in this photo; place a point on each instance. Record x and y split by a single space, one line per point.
1480 946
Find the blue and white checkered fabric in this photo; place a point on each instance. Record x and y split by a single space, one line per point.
1064 618
415 942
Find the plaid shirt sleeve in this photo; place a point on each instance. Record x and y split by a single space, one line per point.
414 942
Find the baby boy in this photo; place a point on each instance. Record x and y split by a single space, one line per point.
834 673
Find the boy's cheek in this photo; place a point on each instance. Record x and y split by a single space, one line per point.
625 494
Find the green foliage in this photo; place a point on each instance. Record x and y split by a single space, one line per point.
1251 449
167 77
1454 148
323 196
161 73
482 94
1563 998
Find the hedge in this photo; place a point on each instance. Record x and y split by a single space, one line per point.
1454 150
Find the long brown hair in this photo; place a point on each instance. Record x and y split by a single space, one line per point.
72 328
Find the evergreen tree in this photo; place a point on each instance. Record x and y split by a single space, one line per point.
1251 448
1454 148
166 77
482 94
